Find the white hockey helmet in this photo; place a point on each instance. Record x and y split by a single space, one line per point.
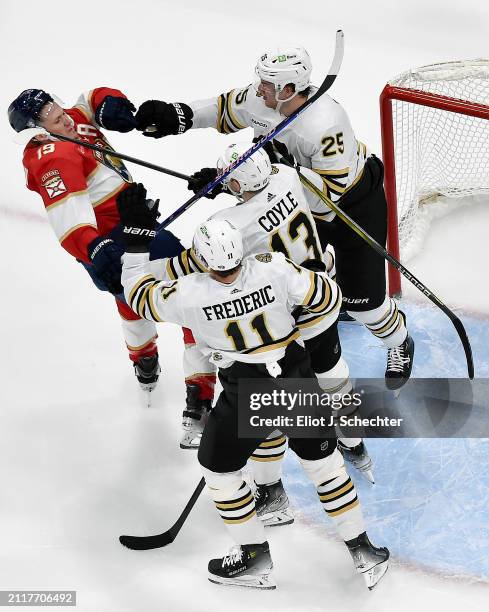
252 175
284 65
218 245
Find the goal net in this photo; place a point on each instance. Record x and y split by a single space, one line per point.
435 140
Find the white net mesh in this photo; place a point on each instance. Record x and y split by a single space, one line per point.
441 157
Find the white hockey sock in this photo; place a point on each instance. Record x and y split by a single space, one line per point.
350 442
236 506
267 460
385 322
337 381
138 333
337 494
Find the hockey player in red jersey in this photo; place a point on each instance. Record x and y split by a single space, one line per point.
79 188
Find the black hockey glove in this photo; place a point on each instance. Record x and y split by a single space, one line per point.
115 113
269 150
138 217
282 154
157 119
316 265
105 256
203 177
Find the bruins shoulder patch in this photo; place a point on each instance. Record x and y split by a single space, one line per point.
264 257
274 169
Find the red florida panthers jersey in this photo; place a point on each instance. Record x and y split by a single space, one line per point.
78 186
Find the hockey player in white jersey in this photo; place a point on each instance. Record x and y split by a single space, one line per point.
274 214
240 312
321 139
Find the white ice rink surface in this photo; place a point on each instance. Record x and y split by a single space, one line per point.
81 461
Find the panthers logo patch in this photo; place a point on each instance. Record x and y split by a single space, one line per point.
264 257
115 163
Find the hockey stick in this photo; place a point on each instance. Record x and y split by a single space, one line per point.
128 158
404 271
325 85
163 539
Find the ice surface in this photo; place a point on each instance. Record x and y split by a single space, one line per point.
81 461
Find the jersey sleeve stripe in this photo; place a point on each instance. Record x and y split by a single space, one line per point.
312 289
74 228
184 271
141 282
185 262
324 300
73 194
196 262
170 270
220 114
110 195
232 117
141 299
151 305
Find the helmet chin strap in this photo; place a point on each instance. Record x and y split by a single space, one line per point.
237 194
280 102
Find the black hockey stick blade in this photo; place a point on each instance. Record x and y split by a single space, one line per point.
163 539
457 323
323 88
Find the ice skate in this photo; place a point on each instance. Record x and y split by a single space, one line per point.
399 364
247 565
272 505
194 418
370 561
360 459
147 370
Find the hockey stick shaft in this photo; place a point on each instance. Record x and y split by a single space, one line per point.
404 271
163 539
129 158
325 85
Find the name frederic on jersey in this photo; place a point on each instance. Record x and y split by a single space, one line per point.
239 306
141 231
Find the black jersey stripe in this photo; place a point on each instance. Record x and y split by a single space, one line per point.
148 278
270 346
193 257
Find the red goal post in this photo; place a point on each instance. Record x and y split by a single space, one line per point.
411 125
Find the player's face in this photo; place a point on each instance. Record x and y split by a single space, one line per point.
266 90
55 120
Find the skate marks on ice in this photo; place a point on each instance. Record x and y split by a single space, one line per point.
430 503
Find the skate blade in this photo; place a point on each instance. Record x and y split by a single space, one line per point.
259 581
374 575
146 398
368 475
277 519
190 442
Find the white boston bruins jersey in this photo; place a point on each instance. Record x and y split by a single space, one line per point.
248 320
278 219
321 138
